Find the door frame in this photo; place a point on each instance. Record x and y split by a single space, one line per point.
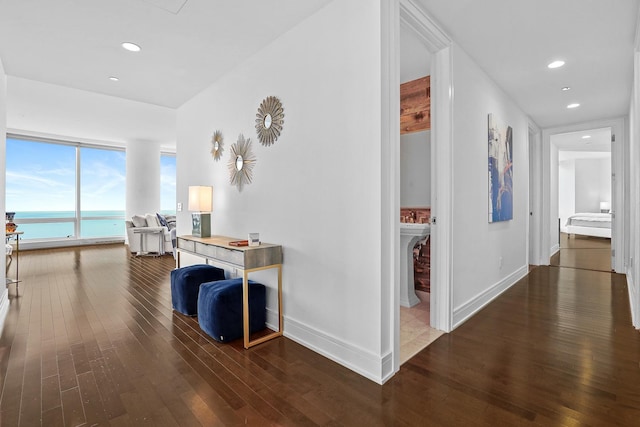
619 209
411 15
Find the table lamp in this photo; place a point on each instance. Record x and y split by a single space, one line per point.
605 207
201 205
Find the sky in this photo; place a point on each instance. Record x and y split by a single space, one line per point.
41 177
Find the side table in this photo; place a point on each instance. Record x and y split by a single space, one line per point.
142 231
9 236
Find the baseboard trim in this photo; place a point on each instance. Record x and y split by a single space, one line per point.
4 307
471 307
555 249
369 365
633 298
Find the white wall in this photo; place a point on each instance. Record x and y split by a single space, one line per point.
593 183
487 258
55 111
415 169
415 58
566 191
317 190
4 296
632 194
554 231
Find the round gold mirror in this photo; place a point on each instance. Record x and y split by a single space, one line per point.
269 120
216 142
241 163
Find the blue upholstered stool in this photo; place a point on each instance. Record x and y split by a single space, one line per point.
185 285
220 309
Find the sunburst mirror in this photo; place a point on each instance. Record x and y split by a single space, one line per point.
241 163
216 145
269 120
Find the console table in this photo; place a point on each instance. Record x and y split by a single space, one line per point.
248 259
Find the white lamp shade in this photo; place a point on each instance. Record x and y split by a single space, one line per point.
605 206
200 198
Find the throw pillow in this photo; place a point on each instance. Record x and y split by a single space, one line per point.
162 220
152 220
139 221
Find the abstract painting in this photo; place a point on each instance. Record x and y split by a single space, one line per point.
500 171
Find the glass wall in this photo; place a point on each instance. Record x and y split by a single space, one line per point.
62 190
168 184
102 192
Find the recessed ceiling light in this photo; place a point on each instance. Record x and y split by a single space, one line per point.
114 78
586 136
574 105
566 88
132 47
556 64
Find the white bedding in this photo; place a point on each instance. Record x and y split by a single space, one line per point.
590 224
590 219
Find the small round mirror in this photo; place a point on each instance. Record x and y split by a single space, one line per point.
267 121
216 146
239 163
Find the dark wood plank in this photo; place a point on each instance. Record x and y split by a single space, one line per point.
91 339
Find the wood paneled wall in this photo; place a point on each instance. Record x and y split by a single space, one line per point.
415 105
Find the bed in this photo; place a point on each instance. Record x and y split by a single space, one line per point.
590 224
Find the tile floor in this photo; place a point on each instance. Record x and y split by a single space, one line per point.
415 332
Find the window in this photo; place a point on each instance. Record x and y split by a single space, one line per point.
48 182
168 184
102 192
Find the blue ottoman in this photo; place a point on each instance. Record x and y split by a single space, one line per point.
220 309
185 285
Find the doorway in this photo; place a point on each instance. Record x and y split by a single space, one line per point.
551 221
415 196
584 189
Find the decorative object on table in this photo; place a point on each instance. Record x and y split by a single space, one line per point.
500 170
216 145
239 243
241 163
10 225
269 120
254 239
201 205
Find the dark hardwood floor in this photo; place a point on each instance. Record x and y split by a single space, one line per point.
92 340
590 253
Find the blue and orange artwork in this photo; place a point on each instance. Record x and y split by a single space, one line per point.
500 171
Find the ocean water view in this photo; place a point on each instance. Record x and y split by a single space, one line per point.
39 225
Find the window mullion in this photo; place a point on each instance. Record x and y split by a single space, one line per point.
78 229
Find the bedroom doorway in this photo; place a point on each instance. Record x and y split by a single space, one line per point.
584 188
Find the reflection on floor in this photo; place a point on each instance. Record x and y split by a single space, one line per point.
585 252
415 332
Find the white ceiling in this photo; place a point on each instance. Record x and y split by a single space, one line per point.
513 41
189 44
594 140
186 44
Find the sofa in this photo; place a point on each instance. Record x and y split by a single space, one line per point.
148 242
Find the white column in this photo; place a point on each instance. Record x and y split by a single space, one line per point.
4 299
143 178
